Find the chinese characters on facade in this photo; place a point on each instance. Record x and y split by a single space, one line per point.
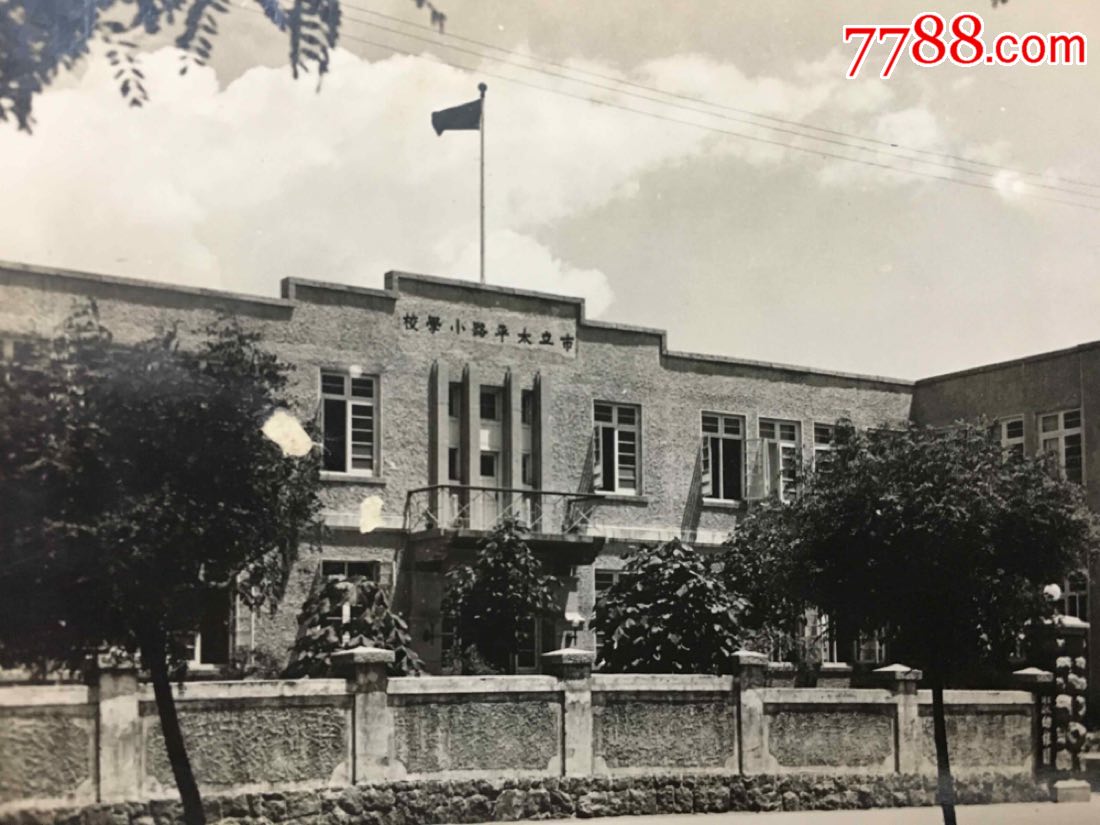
488 331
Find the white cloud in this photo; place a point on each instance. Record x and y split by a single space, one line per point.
238 187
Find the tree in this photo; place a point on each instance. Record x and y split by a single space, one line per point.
40 37
757 564
138 486
940 538
669 612
493 602
340 614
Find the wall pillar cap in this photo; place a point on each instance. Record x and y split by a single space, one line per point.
781 667
363 655
750 657
570 656
902 673
1033 676
836 667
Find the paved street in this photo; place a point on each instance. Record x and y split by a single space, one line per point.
1045 813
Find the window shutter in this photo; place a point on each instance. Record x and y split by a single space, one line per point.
597 460
704 453
773 468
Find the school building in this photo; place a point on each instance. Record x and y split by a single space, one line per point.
455 404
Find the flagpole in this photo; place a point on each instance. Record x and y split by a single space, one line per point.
481 87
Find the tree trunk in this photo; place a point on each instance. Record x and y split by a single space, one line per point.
945 794
154 657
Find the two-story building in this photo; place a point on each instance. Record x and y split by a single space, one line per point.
454 404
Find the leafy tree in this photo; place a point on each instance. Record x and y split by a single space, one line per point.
40 37
942 539
758 565
138 486
669 612
370 622
493 601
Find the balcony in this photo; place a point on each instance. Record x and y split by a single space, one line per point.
446 516
462 507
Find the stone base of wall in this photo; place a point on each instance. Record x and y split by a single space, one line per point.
440 801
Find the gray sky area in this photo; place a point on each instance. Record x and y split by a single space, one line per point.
235 175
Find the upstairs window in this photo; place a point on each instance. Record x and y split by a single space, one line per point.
723 456
490 403
1011 434
527 407
824 436
454 399
1060 434
781 455
1075 601
349 422
616 444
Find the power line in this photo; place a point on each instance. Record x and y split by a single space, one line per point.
690 98
755 138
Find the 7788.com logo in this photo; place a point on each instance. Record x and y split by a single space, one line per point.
932 41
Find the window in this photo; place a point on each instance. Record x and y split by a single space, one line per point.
490 403
824 435
349 569
348 407
209 645
488 466
454 399
781 457
870 647
723 456
1011 433
1076 598
526 407
615 448
527 471
1060 434
454 466
539 636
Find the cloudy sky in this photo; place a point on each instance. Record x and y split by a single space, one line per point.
671 207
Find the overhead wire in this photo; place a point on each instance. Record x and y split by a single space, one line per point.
690 98
729 132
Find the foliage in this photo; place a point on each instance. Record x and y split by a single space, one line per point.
40 37
938 536
371 623
758 565
669 612
137 486
492 602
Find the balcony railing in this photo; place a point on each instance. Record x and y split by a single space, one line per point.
459 506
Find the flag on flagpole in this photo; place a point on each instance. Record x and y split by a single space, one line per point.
466 116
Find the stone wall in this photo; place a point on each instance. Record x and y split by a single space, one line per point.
47 745
434 802
254 735
72 745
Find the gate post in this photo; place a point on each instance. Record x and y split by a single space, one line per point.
372 721
574 667
902 681
118 729
750 675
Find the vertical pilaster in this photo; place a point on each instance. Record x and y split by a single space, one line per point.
118 731
902 682
540 431
1040 684
574 667
512 427
471 425
438 394
750 676
372 721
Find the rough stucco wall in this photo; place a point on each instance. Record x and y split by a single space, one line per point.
47 754
477 732
980 741
824 738
237 745
679 731
327 328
